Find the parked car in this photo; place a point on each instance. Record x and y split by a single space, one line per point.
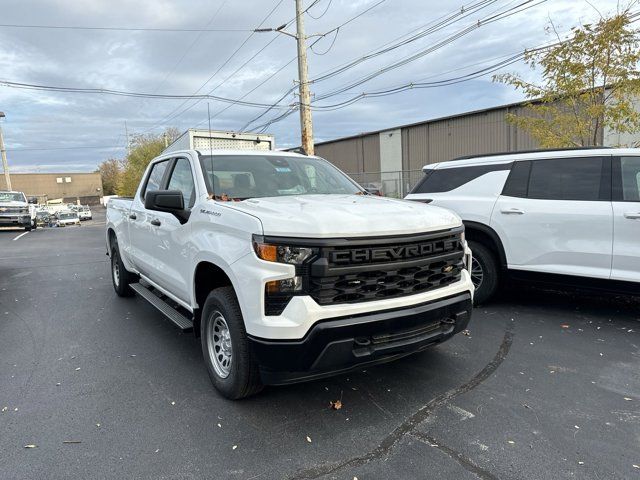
43 218
284 267
561 216
17 211
84 213
66 218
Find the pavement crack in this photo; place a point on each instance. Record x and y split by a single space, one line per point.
410 424
464 462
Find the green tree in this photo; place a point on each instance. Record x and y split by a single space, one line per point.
110 171
142 149
589 84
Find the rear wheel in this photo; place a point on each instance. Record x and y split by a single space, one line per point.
120 276
485 273
225 347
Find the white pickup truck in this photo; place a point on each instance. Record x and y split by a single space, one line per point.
285 267
17 211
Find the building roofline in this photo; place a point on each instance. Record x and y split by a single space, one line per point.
433 120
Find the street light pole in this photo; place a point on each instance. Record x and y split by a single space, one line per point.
3 152
306 123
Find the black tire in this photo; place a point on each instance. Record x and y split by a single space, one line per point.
485 260
120 276
27 229
242 376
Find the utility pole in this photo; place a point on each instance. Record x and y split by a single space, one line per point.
126 133
306 123
3 152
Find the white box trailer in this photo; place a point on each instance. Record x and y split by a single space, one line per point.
195 139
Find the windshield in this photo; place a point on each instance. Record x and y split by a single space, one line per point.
12 197
250 176
67 216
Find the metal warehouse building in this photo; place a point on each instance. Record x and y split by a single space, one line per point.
393 158
70 187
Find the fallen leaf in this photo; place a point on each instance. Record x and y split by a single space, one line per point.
77 369
466 332
564 325
31 445
157 450
98 425
173 403
580 463
511 442
337 405
219 426
4 409
577 426
308 439
628 399
234 447
636 466
15 409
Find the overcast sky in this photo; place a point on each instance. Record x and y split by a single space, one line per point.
52 131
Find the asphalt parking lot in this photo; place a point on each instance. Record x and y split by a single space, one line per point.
545 386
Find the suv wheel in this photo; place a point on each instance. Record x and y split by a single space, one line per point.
484 272
120 276
225 347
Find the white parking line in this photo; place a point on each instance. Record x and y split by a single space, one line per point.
19 236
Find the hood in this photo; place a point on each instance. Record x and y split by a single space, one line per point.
13 204
327 216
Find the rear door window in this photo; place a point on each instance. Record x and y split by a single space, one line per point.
586 179
447 179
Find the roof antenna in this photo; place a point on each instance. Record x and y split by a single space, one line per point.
210 139
213 172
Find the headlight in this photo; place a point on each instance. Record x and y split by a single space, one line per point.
281 253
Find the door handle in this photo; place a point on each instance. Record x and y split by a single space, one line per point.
512 211
133 216
155 222
632 216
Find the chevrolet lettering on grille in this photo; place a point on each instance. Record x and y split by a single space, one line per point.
395 253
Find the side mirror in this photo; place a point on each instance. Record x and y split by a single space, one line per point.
164 201
32 200
170 201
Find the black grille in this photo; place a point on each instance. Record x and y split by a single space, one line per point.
386 270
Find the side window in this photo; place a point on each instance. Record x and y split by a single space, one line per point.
154 180
570 179
446 179
182 179
630 177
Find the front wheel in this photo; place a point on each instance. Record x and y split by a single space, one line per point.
225 347
484 272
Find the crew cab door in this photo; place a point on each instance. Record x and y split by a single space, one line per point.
555 216
626 219
161 238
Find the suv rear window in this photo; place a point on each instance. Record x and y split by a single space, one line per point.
447 179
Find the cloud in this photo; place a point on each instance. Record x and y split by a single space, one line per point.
40 124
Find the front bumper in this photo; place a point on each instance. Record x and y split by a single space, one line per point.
15 220
337 345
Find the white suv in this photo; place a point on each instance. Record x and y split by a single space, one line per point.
571 216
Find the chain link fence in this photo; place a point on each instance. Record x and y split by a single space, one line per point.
390 184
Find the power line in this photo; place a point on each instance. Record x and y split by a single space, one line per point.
172 115
126 29
438 24
122 93
322 14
